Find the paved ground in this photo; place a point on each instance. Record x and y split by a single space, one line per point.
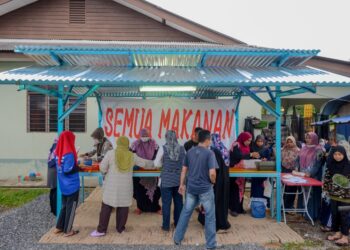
22 228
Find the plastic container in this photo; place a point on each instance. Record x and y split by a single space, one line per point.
258 207
88 162
265 165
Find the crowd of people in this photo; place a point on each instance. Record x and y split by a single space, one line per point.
195 177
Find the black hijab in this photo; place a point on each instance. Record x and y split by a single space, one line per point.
256 148
339 167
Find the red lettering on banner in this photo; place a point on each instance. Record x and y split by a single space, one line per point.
186 117
109 118
128 121
164 122
148 122
117 121
228 124
176 122
218 123
207 125
197 121
136 131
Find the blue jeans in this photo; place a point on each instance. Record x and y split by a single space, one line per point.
208 202
168 194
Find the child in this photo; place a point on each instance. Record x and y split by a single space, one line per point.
336 184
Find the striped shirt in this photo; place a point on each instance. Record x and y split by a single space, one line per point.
171 172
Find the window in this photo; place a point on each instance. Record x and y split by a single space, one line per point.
77 11
42 114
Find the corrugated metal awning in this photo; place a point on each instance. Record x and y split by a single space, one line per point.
168 76
166 54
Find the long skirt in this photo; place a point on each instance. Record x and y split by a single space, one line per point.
235 204
142 200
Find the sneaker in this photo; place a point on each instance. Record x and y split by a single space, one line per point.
97 234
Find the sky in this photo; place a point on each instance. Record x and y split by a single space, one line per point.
291 24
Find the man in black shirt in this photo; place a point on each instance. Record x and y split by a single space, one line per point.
194 141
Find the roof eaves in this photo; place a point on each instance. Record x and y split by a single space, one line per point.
14 5
178 22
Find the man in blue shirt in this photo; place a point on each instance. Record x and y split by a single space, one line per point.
200 167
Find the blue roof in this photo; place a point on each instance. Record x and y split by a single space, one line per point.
337 120
201 77
166 54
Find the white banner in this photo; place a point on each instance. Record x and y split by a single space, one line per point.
128 116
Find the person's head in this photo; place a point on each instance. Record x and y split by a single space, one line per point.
196 134
145 135
260 141
65 145
346 146
290 142
204 138
98 135
311 139
170 137
123 142
339 153
245 138
332 140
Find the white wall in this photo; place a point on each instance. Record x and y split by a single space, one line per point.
17 143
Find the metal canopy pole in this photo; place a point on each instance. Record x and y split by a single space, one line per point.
60 128
260 101
237 115
278 154
77 103
98 99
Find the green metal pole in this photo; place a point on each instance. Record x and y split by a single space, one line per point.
60 128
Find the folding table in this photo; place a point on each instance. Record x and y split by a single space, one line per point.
305 192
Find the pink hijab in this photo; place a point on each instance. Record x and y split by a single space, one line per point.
309 152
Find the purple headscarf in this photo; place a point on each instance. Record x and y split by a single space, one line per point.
146 149
217 143
308 152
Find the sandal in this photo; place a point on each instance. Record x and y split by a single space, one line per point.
71 233
137 211
342 242
334 237
57 231
325 229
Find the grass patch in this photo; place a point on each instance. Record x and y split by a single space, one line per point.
15 197
308 244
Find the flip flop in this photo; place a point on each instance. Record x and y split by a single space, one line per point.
325 229
57 231
97 234
334 238
72 233
341 244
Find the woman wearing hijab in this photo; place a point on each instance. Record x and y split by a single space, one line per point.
290 154
146 190
68 178
118 187
240 150
52 177
336 184
310 162
263 153
172 162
